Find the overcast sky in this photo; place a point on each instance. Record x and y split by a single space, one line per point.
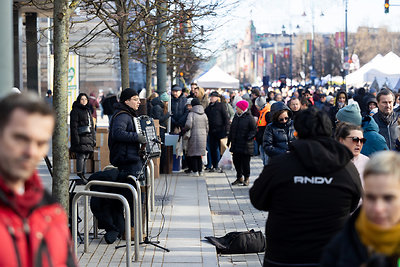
270 15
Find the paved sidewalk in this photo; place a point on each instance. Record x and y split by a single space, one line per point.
232 211
193 207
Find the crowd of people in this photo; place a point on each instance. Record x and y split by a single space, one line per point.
330 181
318 184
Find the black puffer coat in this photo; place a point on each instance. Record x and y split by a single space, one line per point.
122 138
80 116
242 133
178 109
345 249
278 136
157 113
218 119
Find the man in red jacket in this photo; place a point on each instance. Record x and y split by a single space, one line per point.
33 228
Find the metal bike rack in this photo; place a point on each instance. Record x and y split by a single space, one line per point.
148 196
138 206
135 205
139 193
127 221
152 189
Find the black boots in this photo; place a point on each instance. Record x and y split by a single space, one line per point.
238 181
245 181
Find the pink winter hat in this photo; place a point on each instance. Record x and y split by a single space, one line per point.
242 104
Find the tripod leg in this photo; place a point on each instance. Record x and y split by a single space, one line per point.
146 217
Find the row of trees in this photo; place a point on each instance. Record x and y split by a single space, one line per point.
142 28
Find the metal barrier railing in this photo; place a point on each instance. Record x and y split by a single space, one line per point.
127 221
139 207
148 190
135 205
139 193
152 189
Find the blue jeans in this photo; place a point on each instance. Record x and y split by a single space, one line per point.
256 151
264 156
214 149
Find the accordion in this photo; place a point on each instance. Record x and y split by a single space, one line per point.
145 125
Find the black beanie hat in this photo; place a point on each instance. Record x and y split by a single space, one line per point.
195 102
311 123
127 94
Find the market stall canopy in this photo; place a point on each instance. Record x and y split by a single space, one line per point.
382 69
217 78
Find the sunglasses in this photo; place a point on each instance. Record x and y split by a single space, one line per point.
356 139
284 119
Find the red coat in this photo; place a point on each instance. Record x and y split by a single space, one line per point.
33 228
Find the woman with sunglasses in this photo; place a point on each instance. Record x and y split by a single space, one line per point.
352 137
280 132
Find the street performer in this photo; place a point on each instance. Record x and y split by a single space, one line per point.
124 142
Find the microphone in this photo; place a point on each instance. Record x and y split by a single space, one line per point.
154 140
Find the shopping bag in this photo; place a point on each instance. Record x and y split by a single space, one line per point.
204 159
225 162
179 147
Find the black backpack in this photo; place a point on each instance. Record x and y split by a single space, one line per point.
239 242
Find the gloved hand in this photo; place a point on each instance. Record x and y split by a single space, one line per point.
141 139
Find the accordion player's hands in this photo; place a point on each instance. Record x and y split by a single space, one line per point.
141 138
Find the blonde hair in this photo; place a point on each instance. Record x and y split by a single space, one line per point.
201 92
384 162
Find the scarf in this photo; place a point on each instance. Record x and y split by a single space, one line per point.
385 241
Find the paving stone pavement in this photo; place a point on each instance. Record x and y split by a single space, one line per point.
187 209
232 211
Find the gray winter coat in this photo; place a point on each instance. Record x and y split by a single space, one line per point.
197 122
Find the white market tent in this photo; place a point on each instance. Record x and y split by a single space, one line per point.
217 78
384 69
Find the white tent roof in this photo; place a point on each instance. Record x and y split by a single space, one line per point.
384 69
217 78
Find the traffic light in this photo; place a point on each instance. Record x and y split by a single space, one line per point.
386 6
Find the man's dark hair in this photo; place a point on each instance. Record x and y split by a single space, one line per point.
384 92
28 102
312 123
305 101
255 91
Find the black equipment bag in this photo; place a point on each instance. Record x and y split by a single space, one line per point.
239 242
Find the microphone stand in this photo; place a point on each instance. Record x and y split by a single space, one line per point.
142 173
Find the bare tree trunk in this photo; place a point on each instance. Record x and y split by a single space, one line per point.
60 137
149 64
123 44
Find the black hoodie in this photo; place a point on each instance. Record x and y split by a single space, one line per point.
309 193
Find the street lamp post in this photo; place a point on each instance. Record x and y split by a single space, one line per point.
290 60
313 72
346 49
290 51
